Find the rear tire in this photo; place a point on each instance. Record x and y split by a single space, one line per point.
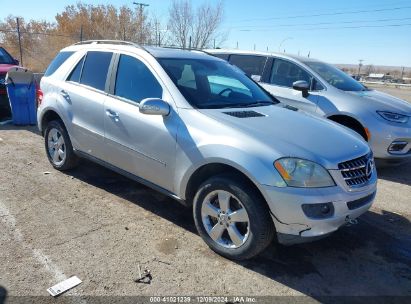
232 218
58 146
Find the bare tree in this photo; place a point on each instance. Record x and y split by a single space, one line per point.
181 21
201 26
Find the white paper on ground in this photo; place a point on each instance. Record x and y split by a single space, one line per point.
64 286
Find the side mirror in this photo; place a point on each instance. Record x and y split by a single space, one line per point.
303 86
16 62
154 106
256 78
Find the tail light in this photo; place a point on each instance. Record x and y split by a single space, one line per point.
39 95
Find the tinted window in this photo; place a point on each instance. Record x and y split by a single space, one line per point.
285 73
75 74
222 56
335 77
5 58
209 83
251 65
95 69
134 80
57 62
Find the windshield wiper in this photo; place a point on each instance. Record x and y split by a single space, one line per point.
259 103
237 105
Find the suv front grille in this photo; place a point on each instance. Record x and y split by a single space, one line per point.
357 172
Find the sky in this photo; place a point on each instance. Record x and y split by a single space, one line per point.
376 31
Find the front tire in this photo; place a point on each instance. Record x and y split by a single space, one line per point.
232 218
58 146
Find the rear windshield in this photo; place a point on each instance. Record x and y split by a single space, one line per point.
335 77
57 62
5 58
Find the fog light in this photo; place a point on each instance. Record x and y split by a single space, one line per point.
397 146
318 211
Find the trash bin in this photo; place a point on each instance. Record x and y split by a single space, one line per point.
21 90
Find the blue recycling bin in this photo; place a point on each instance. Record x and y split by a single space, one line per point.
21 90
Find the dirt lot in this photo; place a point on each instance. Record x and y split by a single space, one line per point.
400 92
100 226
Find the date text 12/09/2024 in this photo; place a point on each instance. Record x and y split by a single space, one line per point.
203 299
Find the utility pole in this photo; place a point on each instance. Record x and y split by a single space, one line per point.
81 32
19 36
141 8
359 67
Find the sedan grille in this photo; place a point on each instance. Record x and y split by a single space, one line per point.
357 172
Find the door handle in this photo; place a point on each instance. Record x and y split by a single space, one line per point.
65 95
112 114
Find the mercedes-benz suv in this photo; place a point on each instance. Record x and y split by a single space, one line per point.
197 129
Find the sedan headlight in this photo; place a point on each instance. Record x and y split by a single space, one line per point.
303 173
394 117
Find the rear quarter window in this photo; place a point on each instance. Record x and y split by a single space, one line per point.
57 62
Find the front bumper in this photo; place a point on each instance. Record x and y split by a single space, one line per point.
292 224
383 134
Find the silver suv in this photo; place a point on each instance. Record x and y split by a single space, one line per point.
195 128
322 89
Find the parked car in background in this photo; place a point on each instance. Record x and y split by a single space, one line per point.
6 62
320 88
197 129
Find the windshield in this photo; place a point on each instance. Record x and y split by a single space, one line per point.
335 77
5 58
214 84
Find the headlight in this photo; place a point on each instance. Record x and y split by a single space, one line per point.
395 117
303 173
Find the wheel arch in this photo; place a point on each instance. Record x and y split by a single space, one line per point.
208 170
48 116
352 123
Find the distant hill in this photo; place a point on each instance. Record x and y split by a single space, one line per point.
370 68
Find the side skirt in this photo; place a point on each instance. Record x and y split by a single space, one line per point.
130 176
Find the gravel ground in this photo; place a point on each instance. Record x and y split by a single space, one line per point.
400 92
100 226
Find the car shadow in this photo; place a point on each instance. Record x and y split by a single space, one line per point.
3 294
400 173
30 128
370 258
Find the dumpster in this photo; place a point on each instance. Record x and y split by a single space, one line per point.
21 90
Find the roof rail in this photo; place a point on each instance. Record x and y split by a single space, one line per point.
185 49
102 41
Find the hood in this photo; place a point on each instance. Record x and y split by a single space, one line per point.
287 133
380 101
5 67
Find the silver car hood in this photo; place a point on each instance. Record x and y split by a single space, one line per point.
382 101
288 133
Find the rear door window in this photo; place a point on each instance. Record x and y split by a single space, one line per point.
285 73
57 62
251 65
75 74
135 81
95 69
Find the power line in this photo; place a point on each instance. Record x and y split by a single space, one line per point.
333 28
320 23
331 14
